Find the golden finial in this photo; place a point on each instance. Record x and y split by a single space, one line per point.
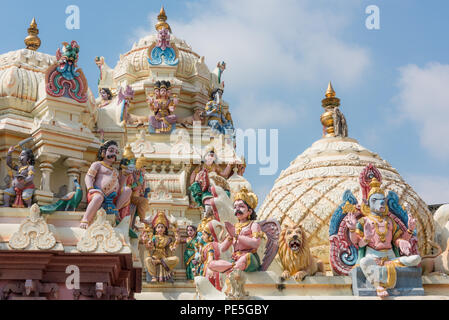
330 93
128 154
162 21
33 42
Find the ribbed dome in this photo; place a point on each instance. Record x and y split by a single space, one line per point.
21 72
311 189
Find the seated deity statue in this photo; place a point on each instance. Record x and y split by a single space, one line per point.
22 187
161 261
163 104
106 188
381 241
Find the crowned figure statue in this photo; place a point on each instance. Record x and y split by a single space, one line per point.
163 104
201 188
380 240
161 261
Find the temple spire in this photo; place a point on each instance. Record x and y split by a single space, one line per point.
32 41
333 120
162 21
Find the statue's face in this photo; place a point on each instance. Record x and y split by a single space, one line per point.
191 232
219 96
241 210
163 92
206 236
112 153
23 158
157 92
377 203
160 229
104 95
210 158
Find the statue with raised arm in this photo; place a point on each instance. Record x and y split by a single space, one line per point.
22 187
201 189
104 188
219 119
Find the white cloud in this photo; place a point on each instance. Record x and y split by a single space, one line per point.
432 189
271 45
423 99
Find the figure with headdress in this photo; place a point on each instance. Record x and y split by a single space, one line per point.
161 261
105 189
380 240
22 187
219 119
106 97
190 252
209 251
245 237
200 186
163 105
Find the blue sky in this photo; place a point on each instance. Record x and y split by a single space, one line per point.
281 55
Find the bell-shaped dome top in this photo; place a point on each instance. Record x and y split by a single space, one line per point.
311 189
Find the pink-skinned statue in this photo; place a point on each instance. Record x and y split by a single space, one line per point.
104 186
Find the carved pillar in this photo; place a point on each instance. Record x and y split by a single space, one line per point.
74 171
44 195
46 167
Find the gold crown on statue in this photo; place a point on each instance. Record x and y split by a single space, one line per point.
161 219
248 197
375 188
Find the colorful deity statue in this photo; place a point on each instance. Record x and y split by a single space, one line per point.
163 52
105 188
382 235
22 187
64 79
163 104
189 254
219 119
161 261
208 250
201 188
124 100
246 236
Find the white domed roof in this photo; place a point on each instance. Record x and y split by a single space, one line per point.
311 189
21 72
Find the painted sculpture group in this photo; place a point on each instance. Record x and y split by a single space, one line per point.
376 238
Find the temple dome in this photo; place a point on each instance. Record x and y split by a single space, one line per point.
310 190
21 73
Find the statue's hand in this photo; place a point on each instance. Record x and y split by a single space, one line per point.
405 247
369 231
411 223
11 150
351 221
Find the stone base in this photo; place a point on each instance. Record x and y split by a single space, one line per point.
409 283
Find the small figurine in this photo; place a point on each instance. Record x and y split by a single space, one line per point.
200 186
161 262
163 52
163 105
219 120
22 187
124 100
103 186
209 251
190 251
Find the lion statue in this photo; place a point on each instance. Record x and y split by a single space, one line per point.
295 256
